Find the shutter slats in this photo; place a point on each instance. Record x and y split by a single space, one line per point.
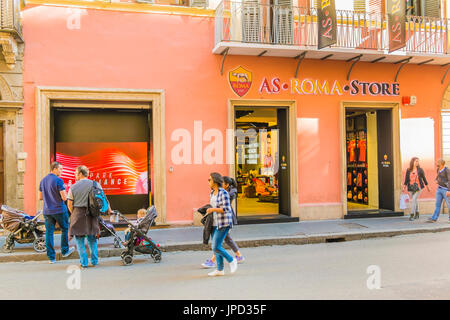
432 8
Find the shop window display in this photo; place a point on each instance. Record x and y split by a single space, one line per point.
357 178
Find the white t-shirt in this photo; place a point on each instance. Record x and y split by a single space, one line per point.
213 203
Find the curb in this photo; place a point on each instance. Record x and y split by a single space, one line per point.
247 243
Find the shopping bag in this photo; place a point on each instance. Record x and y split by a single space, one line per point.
404 201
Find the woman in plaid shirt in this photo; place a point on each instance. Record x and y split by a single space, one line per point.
223 221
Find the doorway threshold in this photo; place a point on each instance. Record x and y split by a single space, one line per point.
376 213
260 219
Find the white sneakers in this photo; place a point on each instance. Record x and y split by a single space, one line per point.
233 265
233 268
68 253
216 273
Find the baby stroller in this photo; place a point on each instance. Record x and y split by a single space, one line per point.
106 230
22 229
138 240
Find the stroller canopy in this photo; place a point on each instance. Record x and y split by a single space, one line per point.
12 218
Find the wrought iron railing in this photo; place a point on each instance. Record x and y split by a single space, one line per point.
10 16
183 3
251 22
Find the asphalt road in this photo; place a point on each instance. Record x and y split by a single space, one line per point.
406 267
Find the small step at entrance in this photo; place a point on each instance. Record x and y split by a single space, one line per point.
259 219
373 214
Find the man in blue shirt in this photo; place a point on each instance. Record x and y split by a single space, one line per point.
53 192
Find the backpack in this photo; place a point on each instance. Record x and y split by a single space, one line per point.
97 202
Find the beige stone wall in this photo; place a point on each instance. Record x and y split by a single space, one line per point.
11 115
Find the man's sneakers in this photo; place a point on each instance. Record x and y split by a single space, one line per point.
52 261
430 220
68 253
233 265
216 273
208 264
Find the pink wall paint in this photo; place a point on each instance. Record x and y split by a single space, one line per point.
171 52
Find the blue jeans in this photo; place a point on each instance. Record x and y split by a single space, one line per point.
92 243
50 221
440 195
218 235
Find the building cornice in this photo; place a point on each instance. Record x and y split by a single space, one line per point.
126 6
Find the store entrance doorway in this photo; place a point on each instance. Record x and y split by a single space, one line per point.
370 163
262 165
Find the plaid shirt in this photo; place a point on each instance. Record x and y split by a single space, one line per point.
224 219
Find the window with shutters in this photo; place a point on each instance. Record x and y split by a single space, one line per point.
445 115
283 22
431 8
198 3
251 21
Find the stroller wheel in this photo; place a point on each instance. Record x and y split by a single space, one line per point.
157 257
39 244
116 243
9 245
127 260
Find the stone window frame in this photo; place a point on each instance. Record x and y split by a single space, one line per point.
155 98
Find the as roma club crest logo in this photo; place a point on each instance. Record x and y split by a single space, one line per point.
240 80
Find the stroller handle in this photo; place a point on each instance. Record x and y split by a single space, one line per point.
39 213
117 212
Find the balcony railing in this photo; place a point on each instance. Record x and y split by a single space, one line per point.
251 22
182 3
10 16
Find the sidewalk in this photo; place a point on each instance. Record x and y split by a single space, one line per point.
304 232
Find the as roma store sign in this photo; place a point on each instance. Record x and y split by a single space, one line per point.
240 80
120 167
325 87
397 21
326 23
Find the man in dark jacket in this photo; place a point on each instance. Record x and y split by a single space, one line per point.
83 225
442 179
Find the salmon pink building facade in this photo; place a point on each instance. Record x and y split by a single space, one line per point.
154 98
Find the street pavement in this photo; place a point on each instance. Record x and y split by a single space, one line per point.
408 266
304 232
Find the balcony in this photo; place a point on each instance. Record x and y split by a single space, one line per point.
10 30
181 3
255 29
